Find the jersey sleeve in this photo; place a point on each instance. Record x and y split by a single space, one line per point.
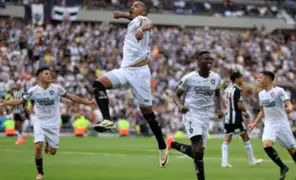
140 20
183 84
29 95
61 91
237 97
260 102
283 95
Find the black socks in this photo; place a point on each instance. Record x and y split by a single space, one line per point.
102 99
274 157
39 166
183 148
199 166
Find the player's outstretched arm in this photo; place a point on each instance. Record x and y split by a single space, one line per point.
218 103
13 102
177 99
258 119
80 100
118 15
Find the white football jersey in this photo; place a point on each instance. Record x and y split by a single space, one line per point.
200 93
46 104
272 102
135 50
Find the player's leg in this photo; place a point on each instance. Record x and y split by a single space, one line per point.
52 137
39 139
198 150
247 143
269 137
227 140
19 128
287 140
183 148
110 80
292 152
139 79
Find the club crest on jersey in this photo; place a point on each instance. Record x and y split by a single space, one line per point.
51 92
272 94
213 81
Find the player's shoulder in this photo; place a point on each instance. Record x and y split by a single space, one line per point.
189 75
278 89
140 18
262 92
215 75
55 86
34 88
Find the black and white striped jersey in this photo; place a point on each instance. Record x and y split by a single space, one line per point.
233 95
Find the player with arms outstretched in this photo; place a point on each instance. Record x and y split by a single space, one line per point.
234 120
275 104
200 89
134 72
46 97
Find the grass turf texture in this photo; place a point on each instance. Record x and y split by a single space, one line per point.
132 159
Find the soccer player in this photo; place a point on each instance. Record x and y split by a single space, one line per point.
275 105
199 88
234 121
19 115
134 72
46 98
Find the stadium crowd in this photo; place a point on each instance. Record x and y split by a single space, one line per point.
80 52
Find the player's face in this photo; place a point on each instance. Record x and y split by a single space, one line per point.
205 62
46 77
262 80
136 9
240 81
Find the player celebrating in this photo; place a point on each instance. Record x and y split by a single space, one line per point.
199 88
275 105
46 98
234 123
134 72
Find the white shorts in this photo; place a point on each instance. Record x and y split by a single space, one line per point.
51 135
283 133
138 78
194 126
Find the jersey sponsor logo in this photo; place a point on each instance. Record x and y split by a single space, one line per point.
45 102
204 90
268 104
272 94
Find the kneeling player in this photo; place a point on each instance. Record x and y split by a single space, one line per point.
234 123
275 105
199 88
47 102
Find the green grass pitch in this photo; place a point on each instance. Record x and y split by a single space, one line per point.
92 158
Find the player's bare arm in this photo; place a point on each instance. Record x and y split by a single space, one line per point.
258 119
218 103
80 100
118 15
288 106
13 102
242 107
147 25
178 101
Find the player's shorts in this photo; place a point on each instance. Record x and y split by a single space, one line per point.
282 133
50 134
194 127
138 78
237 128
19 117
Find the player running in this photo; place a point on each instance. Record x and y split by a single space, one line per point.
234 121
134 72
199 88
46 97
275 104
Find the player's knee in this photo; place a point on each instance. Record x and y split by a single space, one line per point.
98 85
267 144
197 144
292 151
53 152
39 147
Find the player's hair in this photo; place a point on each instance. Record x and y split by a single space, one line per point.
268 74
200 53
235 75
40 70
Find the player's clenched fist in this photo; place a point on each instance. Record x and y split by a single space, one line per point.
252 126
116 14
139 34
184 109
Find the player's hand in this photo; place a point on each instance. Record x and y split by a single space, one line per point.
139 34
116 14
289 109
93 104
2 102
252 126
220 114
184 109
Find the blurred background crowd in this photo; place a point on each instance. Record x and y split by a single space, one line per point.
79 52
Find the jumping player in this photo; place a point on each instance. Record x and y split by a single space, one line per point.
275 105
199 88
134 72
46 98
234 121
